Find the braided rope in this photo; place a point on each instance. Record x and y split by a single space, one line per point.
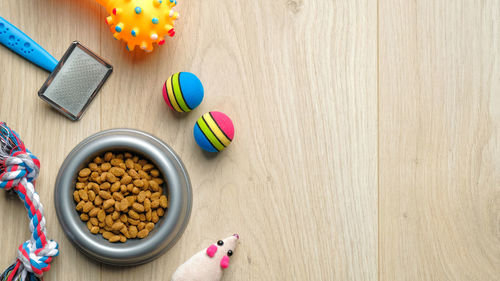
18 171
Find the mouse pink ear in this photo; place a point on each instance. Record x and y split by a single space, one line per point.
224 262
211 250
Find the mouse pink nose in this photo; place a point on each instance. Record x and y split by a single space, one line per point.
236 235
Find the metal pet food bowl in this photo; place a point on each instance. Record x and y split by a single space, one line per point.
168 229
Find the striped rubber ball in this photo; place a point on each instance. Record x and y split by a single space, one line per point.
214 131
183 91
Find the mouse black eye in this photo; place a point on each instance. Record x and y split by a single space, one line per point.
220 243
229 253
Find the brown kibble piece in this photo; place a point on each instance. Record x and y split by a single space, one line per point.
142 217
91 195
150 226
107 235
138 207
154 185
109 221
155 203
163 201
118 172
84 172
116 162
83 195
105 167
160 212
124 204
154 217
98 200
124 218
105 185
115 187
94 212
114 238
108 203
84 217
143 233
104 195
133 214
79 206
101 215
98 160
87 207
117 225
147 204
141 226
142 174
118 196
141 196
132 230
115 215
147 167
149 215
94 230
138 183
123 239
155 173
80 185
136 190
76 196
108 156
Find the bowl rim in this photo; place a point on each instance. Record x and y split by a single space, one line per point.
167 231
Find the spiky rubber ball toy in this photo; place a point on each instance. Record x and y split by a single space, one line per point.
141 22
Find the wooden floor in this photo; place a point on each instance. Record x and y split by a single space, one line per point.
367 134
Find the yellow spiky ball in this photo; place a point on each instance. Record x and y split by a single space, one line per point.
141 22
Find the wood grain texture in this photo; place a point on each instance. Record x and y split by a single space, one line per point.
439 140
299 182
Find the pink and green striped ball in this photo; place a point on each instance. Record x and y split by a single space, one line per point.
214 131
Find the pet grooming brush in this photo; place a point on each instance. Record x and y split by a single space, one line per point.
74 80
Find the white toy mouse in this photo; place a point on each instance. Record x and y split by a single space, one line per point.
208 264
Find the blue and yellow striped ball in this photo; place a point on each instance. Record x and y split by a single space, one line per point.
183 92
214 131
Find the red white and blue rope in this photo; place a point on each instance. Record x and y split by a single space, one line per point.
18 171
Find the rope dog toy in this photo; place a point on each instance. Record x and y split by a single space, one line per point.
18 171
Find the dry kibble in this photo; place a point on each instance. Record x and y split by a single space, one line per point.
143 233
105 185
91 195
120 196
117 225
114 238
138 207
115 187
108 203
118 172
141 196
154 217
124 205
98 200
76 196
133 222
155 173
124 218
141 226
150 226
132 230
84 172
107 235
123 239
133 214
101 215
94 212
116 162
142 174
87 207
79 206
147 167
83 195
138 183
163 201
133 173
155 203
108 156
147 204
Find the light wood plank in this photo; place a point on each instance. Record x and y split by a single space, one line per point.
439 140
53 24
299 182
